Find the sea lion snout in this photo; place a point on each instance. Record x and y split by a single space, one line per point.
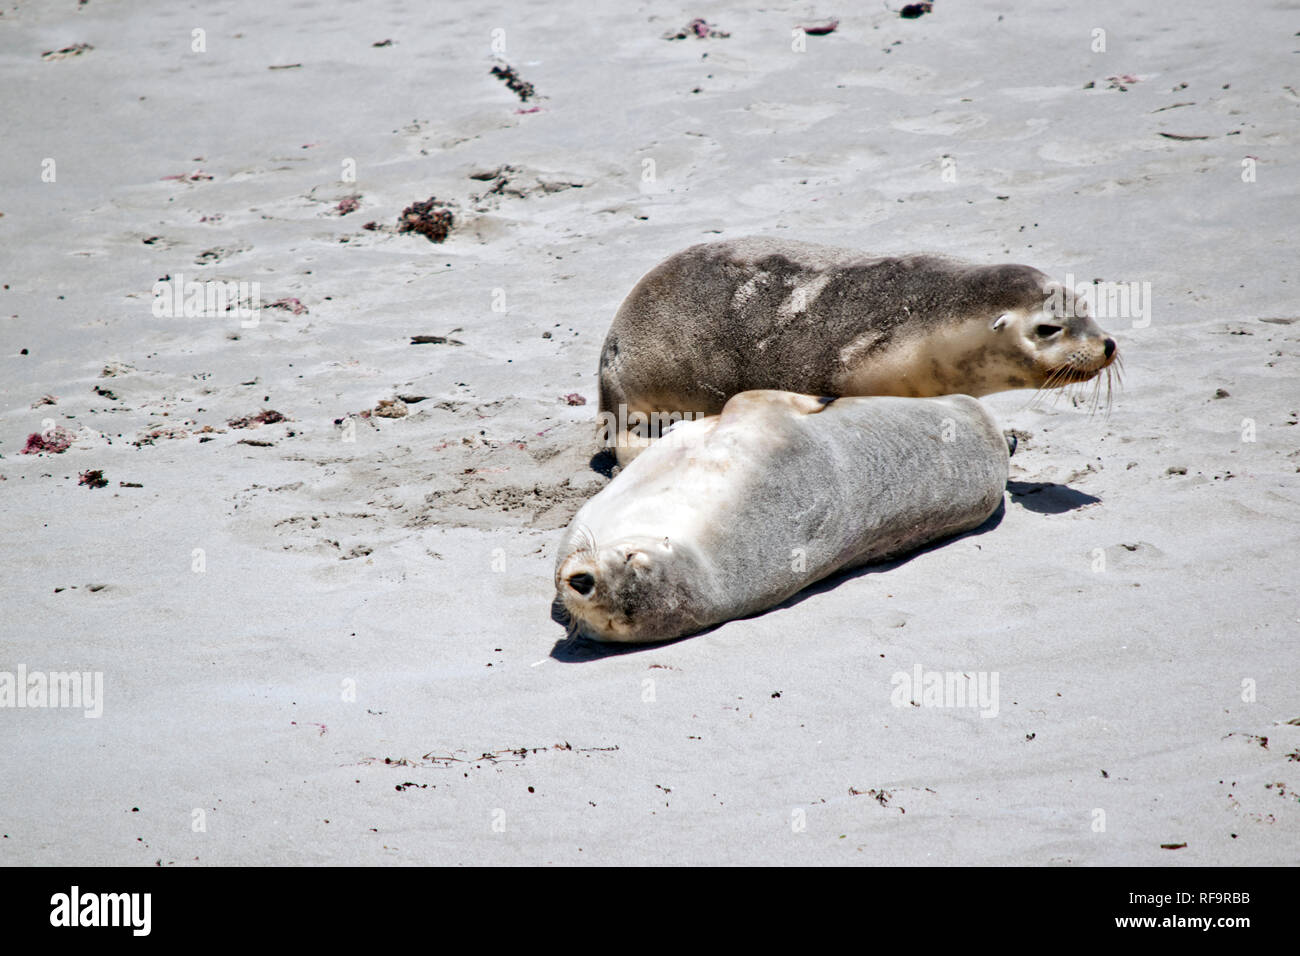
582 582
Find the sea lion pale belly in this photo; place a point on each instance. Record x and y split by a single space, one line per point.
732 514
724 317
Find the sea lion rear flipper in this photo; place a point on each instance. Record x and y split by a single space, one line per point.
802 404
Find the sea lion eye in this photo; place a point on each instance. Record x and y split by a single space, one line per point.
638 559
1047 331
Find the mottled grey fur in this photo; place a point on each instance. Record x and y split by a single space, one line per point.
681 341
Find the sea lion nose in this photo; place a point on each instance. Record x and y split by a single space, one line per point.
1110 347
583 583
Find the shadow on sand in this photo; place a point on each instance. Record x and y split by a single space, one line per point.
1047 498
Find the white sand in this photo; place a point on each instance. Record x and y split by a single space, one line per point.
416 561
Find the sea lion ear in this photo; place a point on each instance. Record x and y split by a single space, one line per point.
667 545
1001 320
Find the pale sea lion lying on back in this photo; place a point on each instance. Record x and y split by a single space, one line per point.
732 514
759 313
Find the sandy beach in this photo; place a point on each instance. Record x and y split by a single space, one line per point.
311 561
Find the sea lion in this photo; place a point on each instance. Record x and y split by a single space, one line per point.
759 313
729 515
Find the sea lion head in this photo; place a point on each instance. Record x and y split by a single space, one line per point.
636 589
977 330
1047 332
1055 337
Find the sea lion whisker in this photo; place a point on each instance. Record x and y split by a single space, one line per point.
1040 393
585 547
1052 386
591 550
